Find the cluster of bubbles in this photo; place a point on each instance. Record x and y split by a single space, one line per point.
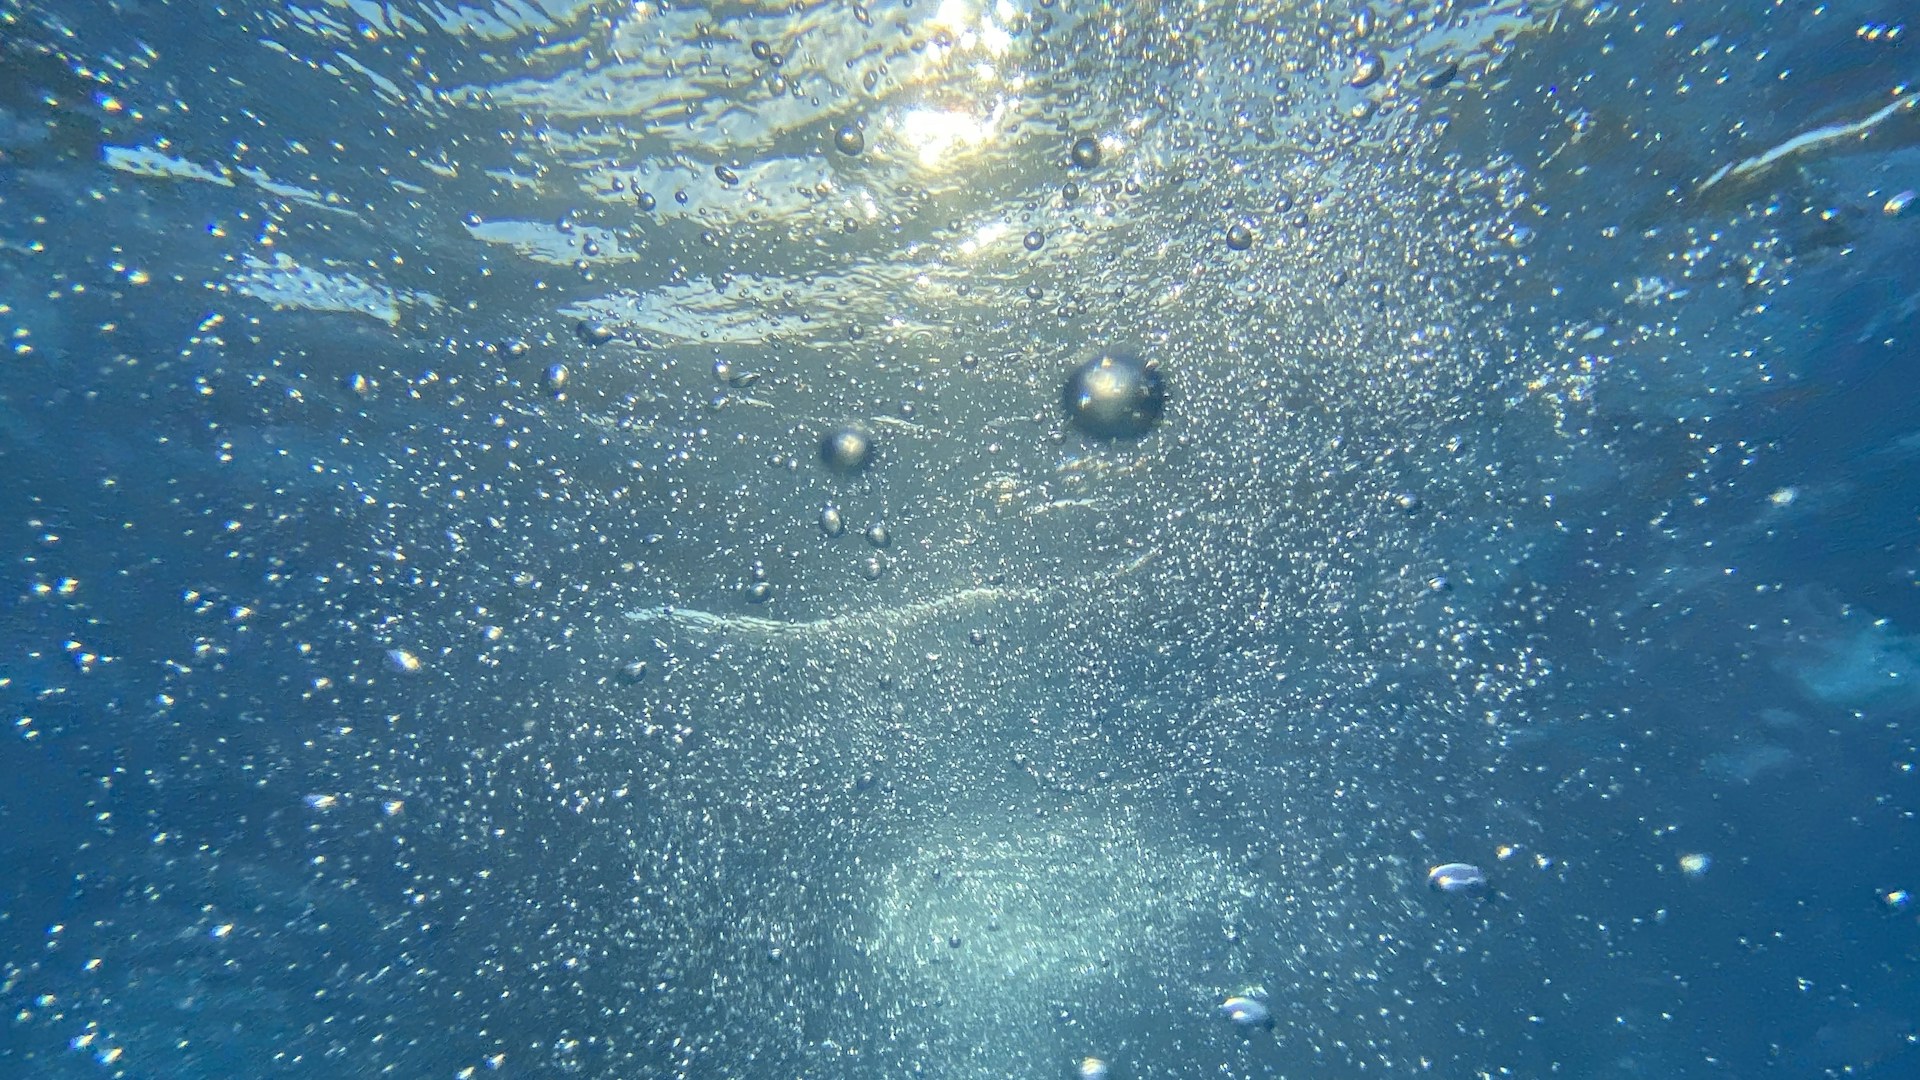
1234 403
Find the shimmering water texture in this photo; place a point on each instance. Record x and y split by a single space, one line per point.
959 539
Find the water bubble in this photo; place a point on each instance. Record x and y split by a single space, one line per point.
557 377
878 535
1438 75
1247 1012
1085 152
847 448
1034 240
726 175
759 592
831 523
873 568
1456 877
647 201
633 671
1367 69
849 140
1092 1068
1114 395
593 332
1239 236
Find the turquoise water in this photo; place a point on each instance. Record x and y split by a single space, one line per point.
438 646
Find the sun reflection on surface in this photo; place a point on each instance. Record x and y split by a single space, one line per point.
974 28
938 137
986 237
971 40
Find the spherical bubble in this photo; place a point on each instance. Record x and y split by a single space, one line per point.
878 534
759 592
1034 240
557 377
1247 1012
831 523
1114 395
1085 152
1239 236
1456 877
849 140
1367 69
847 448
1092 1068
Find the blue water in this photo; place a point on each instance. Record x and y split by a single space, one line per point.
424 655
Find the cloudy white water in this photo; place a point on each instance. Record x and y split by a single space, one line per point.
440 644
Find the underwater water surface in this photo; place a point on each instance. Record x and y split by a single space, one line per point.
959 538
